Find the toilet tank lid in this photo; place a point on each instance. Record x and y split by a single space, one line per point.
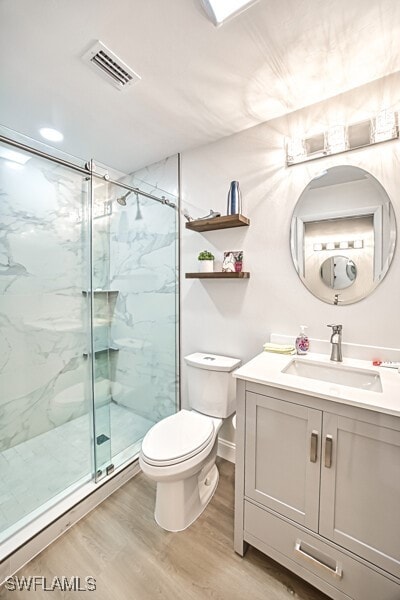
212 362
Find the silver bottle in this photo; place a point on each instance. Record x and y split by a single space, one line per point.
234 205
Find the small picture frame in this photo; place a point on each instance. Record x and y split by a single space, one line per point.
233 261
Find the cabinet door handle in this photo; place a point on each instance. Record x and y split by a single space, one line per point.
314 447
328 451
335 571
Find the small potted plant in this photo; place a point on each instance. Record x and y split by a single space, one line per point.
206 262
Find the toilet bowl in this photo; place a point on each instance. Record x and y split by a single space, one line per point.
179 452
180 456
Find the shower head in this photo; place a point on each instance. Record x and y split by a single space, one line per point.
138 212
122 202
122 199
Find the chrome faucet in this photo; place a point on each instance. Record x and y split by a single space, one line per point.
336 341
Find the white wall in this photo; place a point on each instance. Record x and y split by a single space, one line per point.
236 317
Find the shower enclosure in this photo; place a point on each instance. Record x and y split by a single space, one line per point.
88 325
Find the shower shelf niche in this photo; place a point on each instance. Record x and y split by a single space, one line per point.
104 305
102 351
96 292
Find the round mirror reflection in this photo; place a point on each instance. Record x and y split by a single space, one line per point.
343 234
338 272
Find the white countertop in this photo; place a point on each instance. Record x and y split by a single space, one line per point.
266 369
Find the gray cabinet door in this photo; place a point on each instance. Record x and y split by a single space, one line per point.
360 489
282 461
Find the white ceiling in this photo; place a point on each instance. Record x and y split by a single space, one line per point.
199 83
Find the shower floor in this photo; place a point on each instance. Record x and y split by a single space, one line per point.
37 470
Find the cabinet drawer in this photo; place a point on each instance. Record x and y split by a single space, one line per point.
316 557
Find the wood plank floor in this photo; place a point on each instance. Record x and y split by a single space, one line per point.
131 558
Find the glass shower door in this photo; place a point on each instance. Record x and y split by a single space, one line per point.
45 399
134 257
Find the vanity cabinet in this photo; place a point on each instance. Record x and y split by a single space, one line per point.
360 487
282 469
318 489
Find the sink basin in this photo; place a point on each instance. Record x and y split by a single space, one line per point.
363 379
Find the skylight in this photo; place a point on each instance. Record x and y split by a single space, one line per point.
221 10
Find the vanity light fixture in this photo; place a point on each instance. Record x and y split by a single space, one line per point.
336 139
342 245
296 150
384 126
341 138
220 11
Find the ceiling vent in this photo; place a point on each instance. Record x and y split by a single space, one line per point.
110 66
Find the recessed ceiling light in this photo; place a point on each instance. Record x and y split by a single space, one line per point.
221 10
51 134
13 156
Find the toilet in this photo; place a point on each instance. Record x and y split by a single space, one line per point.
179 452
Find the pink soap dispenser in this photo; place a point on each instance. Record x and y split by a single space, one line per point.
302 341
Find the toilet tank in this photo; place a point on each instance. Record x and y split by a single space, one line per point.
211 387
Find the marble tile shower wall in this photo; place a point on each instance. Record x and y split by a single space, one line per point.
43 314
43 319
144 268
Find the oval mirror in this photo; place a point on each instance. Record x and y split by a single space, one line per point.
343 234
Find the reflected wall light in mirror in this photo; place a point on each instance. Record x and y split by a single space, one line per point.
344 245
340 138
343 235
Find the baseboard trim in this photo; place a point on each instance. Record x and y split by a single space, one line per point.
227 450
37 543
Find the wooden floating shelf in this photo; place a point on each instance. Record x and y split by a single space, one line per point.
225 222
218 275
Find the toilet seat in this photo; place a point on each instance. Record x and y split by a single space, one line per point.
177 438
